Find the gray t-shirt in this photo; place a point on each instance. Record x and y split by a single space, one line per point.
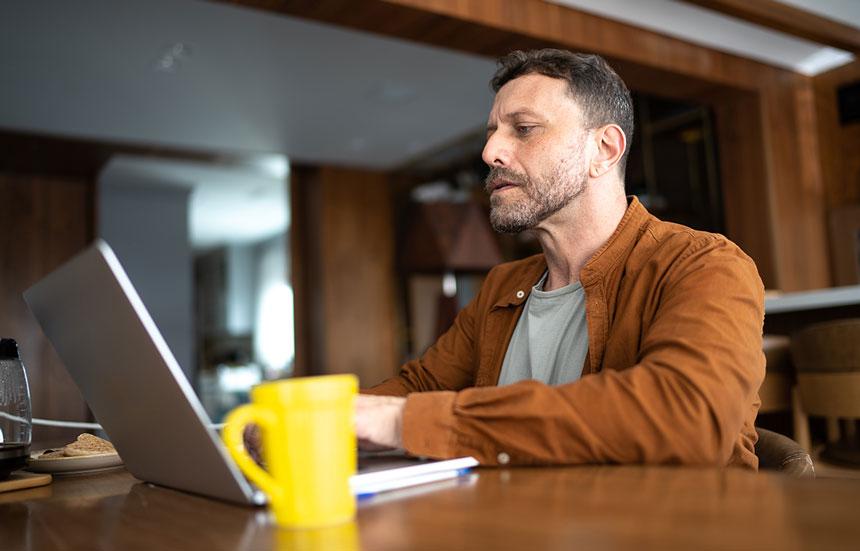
551 337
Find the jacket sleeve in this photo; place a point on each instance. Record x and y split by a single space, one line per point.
449 364
699 369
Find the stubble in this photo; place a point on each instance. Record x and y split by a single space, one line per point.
544 195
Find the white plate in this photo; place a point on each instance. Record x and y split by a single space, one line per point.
70 465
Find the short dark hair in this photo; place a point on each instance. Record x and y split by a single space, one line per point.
599 91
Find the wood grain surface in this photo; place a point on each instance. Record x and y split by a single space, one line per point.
343 273
538 508
839 144
21 480
45 221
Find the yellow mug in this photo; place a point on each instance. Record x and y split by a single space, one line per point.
309 447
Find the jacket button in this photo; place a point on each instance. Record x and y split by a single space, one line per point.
521 294
503 458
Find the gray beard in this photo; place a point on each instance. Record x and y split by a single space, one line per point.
524 215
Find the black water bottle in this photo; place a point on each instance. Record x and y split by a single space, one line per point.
15 414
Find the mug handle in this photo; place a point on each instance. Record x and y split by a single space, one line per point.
233 437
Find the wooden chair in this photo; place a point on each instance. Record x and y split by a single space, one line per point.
827 359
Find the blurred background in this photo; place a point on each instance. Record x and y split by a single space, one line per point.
295 187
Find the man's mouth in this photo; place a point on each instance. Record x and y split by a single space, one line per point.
500 179
501 185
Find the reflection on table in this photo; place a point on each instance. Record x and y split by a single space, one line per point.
536 508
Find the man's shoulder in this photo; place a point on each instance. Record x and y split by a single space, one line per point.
669 244
678 241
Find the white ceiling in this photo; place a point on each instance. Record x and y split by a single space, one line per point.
211 76
721 32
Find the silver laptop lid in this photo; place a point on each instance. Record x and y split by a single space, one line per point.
110 345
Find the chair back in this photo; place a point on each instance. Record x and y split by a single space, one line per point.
832 346
830 394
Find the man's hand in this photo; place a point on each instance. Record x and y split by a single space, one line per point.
379 421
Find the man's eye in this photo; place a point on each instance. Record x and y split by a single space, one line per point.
524 130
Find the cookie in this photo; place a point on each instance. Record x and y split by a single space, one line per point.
87 444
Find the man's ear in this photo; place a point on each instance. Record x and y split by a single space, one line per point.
611 142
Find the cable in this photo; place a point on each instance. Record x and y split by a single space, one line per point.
91 426
66 424
73 424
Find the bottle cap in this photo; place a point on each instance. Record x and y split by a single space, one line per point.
9 349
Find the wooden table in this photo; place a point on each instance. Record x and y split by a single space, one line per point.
584 508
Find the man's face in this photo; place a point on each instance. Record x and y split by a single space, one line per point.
536 152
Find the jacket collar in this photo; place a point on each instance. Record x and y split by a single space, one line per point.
517 290
618 245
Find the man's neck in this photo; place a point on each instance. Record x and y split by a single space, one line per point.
570 237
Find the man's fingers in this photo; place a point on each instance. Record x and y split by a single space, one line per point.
378 419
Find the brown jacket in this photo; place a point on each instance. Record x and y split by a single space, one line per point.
671 376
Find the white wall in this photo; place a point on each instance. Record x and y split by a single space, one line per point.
146 224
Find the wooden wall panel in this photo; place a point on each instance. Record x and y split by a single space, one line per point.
795 186
46 221
748 215
302 183
847 189
839 146
345 268
839 152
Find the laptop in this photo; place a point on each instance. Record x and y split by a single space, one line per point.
100 328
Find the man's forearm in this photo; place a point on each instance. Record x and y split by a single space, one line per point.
612 417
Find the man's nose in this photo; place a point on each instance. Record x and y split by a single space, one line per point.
496 152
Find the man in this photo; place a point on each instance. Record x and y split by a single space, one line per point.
629 340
